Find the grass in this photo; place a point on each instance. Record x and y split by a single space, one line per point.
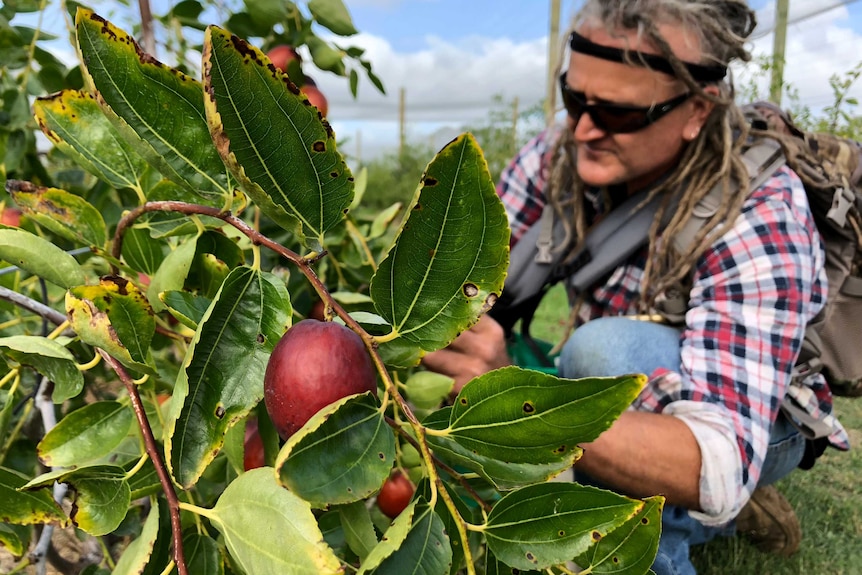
827 499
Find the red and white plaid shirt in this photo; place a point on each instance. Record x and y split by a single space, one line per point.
754 291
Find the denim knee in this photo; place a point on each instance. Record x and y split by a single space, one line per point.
613 346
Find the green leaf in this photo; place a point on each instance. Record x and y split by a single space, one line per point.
551 523
137 554
115 317
159 110
50 359
172 273
494 566
333 15
25 507
224 368
500 473
6 407
100 496
40 257
67 215
75 123
325 56
86 434
447 265
268 529
202 554
427 389
416 542
141 251
526 416
341 455
10 541
189 309
382 221
273 140
358 528
630 549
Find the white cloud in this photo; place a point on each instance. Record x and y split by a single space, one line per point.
443 82
820 43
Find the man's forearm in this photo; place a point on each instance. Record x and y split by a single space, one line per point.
646 454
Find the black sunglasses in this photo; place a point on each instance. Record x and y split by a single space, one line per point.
616 118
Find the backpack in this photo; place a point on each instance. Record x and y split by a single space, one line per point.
830 168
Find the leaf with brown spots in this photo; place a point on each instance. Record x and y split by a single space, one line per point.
548 524
116 317
451 255
74 121
273 140
222 375
158 110
630 549
66 214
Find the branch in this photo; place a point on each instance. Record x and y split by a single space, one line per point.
155 457
45 406
455 475
32 305
304 265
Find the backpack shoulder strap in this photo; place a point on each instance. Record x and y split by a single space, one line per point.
761 159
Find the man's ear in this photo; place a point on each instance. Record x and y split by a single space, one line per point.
701 108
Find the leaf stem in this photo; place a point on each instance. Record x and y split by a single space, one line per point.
155 457
131 472
90 364
12 373
192 508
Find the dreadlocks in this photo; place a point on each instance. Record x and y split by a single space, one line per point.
713 157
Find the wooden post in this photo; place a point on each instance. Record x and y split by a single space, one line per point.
782 7
514 142
553 48
402 132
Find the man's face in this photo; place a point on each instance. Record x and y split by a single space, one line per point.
636 158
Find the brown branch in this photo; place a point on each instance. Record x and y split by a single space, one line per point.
155 457
304 265
149 38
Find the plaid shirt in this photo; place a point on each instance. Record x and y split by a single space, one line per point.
754 290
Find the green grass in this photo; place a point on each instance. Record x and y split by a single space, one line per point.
827 498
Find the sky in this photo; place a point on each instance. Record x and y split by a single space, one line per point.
452 57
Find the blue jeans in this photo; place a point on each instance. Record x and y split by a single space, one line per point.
616 346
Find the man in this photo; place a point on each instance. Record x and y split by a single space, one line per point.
650 107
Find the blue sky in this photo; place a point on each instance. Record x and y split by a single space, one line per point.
452 56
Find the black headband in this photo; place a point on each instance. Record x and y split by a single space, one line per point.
699 72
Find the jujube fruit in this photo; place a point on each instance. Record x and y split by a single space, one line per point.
282 55
396 493
314 364
253 452
315 96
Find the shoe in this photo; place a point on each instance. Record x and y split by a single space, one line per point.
769 523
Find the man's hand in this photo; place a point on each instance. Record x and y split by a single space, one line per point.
476 351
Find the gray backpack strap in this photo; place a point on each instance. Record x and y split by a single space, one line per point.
613 239
762 159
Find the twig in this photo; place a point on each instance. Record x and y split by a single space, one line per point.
304 265
155 457
32 305
455 475
149 38
45 406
